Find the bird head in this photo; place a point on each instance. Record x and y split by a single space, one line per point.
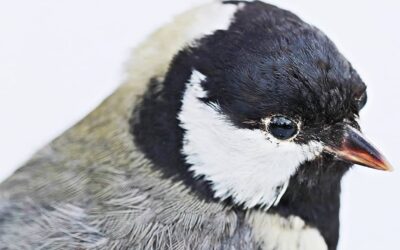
251 110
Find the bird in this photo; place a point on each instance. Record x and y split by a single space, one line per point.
232 130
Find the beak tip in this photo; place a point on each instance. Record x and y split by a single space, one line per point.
387 167
378 164
357 150
381 163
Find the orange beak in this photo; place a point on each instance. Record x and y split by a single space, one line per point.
356 149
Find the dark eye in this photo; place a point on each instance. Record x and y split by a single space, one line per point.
282 127
362 100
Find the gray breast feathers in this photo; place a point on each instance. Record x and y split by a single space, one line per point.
92 188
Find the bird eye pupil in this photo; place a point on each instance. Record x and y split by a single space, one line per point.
282 128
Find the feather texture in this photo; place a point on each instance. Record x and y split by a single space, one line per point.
91 188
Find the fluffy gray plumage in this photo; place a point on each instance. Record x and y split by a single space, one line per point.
94 188
91 188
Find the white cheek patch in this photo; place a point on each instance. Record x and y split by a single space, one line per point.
240 163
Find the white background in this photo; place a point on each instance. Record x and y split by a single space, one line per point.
59 59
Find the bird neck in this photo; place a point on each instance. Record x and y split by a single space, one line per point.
314 195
